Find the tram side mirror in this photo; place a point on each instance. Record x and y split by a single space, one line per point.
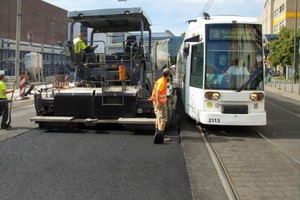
186 51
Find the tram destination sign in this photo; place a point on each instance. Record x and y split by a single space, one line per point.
241 33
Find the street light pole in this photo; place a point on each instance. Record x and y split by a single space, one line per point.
18 37
295 43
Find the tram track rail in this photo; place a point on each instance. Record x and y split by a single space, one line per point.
221 169
249 165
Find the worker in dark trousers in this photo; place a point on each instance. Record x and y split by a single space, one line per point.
4 102
159 98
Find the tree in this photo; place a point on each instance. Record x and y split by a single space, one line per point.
282 49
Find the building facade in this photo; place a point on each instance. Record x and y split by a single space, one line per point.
44 28
40 22
279 13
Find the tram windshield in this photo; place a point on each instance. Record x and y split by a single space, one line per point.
234 57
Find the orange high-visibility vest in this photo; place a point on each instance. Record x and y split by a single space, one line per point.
153 96
161 85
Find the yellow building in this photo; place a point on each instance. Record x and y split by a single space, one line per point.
279 13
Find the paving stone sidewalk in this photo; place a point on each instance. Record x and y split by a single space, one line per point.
257 169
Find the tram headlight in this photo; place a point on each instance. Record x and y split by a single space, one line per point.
257 96
212 95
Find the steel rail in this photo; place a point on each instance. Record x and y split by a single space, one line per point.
221 169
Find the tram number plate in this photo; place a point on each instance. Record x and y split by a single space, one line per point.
214 120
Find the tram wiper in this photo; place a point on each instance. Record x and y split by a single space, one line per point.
253 76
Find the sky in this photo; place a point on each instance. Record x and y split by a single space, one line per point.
170 15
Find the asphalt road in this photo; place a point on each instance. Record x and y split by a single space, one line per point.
106 164
117 164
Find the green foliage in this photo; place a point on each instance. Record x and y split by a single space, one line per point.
282 49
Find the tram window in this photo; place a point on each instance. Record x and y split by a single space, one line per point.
197 66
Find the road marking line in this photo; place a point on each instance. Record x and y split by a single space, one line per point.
290 112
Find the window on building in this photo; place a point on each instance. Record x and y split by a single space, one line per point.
276 29
52 27
276 13
46 58
12 56
56 58
29 37
281 9
281 24
5 55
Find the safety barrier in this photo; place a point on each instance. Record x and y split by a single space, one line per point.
22 85
61 84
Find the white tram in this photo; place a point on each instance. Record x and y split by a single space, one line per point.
220 71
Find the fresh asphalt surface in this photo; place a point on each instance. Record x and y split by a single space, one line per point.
114 164
91 165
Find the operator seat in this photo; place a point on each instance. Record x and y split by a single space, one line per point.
131 41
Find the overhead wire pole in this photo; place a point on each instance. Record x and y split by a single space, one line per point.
295 43
18 37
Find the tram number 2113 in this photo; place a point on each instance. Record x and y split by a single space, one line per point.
214 120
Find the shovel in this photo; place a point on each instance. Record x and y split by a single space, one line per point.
10 107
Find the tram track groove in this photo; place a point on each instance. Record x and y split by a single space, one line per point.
254 167
221 170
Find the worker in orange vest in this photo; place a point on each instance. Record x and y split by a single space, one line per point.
159 99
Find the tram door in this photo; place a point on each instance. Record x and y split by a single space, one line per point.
194 86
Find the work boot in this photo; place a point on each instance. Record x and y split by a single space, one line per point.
6 127
159 137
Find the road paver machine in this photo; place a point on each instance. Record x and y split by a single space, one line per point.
114 81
